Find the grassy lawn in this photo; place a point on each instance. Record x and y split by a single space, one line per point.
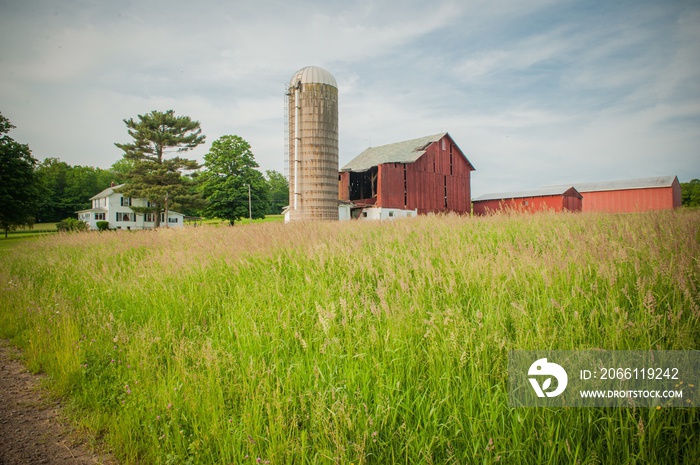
355 342
17 237
245 221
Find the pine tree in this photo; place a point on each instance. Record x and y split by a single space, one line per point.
152 176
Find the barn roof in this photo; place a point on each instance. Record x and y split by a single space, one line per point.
542 192
106 193
643 183
407 151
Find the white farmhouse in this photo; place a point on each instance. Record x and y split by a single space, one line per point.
113 207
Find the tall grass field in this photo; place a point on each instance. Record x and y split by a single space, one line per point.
355 342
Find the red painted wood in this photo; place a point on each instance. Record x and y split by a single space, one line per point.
425 180
557 203
633 200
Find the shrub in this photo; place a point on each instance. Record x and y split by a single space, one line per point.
71 224
102 225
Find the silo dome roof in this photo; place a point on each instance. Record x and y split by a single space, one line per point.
313 74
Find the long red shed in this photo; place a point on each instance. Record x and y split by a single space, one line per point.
550 198
429 174
631 195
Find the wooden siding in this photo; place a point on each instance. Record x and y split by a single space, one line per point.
439 181
557 203
633 200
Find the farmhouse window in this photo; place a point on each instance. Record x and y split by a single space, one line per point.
99 216
126 201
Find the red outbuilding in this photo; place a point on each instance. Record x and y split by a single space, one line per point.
631 195
549 198
429 174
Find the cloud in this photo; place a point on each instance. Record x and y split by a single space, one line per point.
531 90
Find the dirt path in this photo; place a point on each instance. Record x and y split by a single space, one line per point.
31 430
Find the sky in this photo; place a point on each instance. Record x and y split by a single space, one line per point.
535 92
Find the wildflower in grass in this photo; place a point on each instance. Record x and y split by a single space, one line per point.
490 446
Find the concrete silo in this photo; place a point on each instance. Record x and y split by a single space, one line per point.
313 145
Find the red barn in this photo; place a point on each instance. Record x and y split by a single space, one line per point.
631 195
549 198
429 174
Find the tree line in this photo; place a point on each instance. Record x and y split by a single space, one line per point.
151 168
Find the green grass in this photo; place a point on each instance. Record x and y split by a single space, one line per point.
244 221
357 342
17 237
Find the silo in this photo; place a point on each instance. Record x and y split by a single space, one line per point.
313 145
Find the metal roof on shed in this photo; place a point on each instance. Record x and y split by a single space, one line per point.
643 183
542 192
407 151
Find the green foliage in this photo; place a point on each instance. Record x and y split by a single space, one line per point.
278 188
66 189
102 225
71 225
18 186
230 168
690 193
365 343
120 170
150 174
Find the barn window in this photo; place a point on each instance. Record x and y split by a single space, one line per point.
391 214
445 192
364 214
405 187
450 159
525 203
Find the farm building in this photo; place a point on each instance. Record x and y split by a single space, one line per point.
549 198
631 195
418 176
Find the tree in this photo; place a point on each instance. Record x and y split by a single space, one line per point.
66 189
119 170
18 189
278 188
690 193
151 175
230 169
52 176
